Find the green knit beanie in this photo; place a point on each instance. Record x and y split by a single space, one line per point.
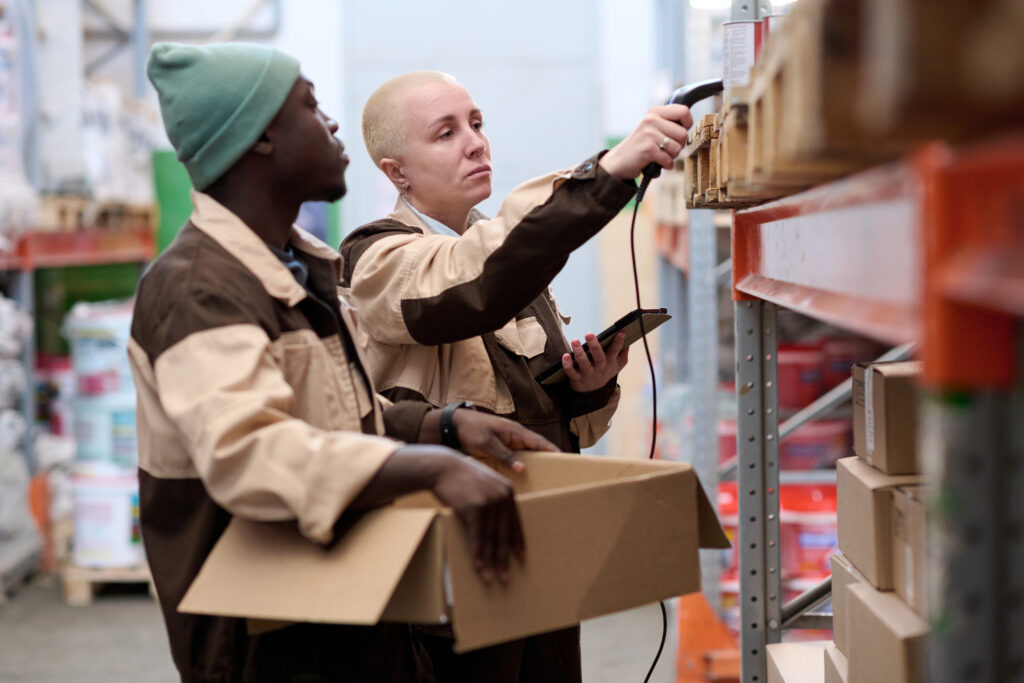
216 100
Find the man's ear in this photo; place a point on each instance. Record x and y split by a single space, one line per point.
263 145
393 170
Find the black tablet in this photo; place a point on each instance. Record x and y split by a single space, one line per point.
652 317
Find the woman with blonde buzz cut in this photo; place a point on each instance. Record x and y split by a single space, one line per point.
454 307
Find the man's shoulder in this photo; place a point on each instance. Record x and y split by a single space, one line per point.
363 237
195 262
195 284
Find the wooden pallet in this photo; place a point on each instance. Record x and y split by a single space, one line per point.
81 583
715 161
60 213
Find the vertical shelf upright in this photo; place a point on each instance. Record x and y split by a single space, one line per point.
758 484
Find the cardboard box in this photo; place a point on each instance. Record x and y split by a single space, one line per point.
837 666
909 547
844 575
865 517
796 662
887 641
885 415
602 535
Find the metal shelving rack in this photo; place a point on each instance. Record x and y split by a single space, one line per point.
927 251
37 250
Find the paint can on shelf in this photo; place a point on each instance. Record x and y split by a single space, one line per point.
104 428
741 42
106 516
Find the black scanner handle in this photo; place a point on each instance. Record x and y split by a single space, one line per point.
689 95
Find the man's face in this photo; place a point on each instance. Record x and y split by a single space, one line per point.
447 159
307 157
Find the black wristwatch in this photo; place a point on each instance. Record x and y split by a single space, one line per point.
449 435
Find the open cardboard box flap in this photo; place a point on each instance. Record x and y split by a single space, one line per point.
602 535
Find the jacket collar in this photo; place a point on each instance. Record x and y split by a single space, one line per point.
404 213
228 230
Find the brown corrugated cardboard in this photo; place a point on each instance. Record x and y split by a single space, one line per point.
885 415
602 535
796 662
837 667
887 640
844 575
865 517
909 548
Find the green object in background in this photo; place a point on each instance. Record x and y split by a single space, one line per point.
334 224
175 205
172 196
58 289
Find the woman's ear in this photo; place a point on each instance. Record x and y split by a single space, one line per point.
263 145
393 170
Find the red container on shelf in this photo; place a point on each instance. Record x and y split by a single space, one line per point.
55 387
817 445
728 517
726 440
807 516
840 353
800 380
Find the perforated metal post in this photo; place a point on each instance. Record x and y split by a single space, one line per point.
962 455
1013 559
973 451
758 485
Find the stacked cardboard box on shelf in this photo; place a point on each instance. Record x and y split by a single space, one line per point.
879 581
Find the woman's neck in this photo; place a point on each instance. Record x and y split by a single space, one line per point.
455 218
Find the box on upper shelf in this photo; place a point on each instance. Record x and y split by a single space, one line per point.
885 415
865 517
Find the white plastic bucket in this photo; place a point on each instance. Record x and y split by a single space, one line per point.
98 335
106 516
104 428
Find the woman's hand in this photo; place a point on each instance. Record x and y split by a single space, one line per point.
660 138
590 369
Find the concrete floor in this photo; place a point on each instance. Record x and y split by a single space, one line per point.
120 637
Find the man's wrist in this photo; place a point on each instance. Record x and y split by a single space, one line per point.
449 433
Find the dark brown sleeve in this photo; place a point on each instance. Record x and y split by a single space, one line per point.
402 420
577 403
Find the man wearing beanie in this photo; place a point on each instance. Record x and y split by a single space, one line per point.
252 398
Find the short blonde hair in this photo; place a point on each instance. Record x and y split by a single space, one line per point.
385 120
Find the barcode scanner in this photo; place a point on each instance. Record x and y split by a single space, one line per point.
688 95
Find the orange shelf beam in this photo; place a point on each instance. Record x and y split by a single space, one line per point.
972 201
930 249
80 248
846 253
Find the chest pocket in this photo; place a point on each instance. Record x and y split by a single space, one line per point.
524 337
327 392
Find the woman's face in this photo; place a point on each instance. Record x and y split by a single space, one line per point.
447 160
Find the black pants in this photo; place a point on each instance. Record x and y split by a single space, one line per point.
307 653
546 658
